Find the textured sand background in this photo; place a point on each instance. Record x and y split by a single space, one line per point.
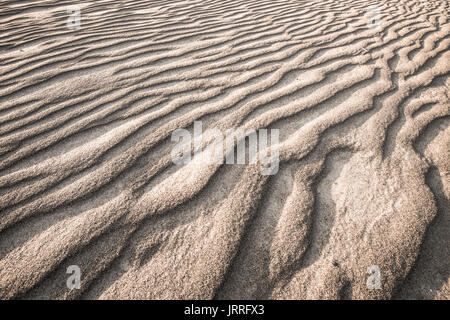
86 176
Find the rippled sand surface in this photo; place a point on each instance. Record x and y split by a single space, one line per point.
87 178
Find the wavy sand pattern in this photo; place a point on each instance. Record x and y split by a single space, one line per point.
86 176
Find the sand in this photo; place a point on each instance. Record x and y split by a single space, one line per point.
87 179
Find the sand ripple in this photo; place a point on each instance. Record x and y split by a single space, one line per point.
86 176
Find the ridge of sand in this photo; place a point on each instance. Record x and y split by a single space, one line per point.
86 176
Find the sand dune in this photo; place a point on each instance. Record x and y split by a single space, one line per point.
87 178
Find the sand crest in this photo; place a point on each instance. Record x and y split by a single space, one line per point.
359 92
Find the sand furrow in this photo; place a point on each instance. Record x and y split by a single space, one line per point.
359 95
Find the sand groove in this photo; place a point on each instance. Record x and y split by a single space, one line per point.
87 179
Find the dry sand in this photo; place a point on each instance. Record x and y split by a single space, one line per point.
86 177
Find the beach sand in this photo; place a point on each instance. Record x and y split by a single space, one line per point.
358 91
